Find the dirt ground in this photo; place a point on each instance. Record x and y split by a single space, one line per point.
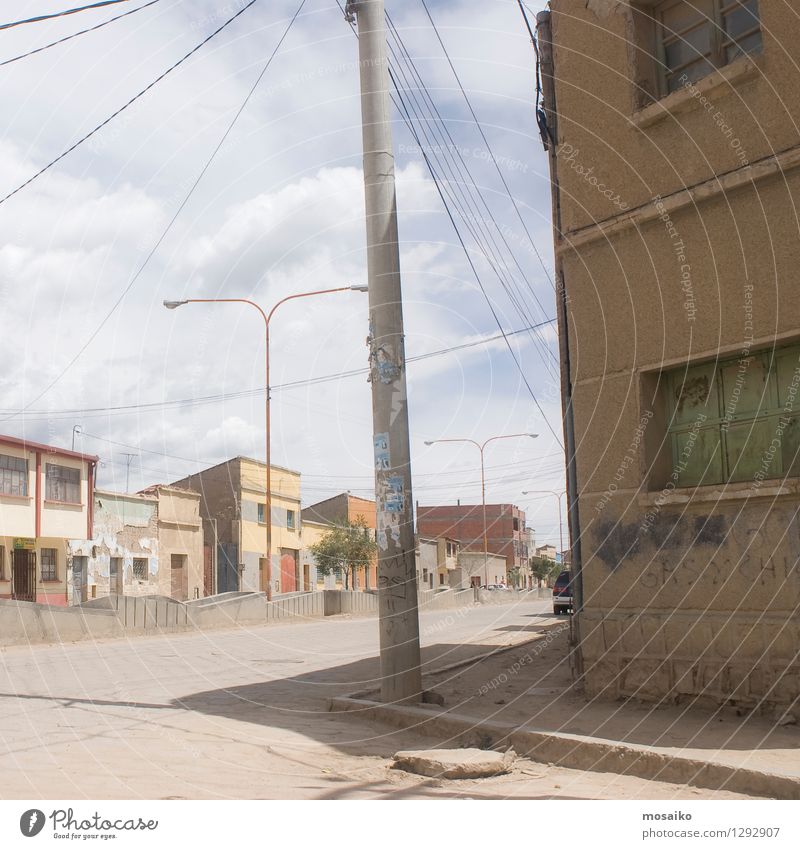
531 685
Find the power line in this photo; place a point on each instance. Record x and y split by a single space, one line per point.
245 393
488 147
76 34
504 275
404 112
122 108
40 18
183 203
472 267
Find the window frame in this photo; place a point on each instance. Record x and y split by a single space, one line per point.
719 40
771 409
50 566
61 480
137 560
7 471
291 525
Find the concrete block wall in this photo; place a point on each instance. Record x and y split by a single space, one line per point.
24 622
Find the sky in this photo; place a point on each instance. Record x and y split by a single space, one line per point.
158 394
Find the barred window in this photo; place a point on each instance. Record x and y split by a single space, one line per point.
140 568
696 37
13 475
63 484
49 563
735 420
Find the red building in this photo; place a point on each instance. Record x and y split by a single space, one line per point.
505 528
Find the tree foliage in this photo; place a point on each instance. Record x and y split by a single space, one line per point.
346 549
544 568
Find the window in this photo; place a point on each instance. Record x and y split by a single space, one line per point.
441 580
2 563
63 484
48 559
693 38
261 509
13 475
735 420
140 568
290 519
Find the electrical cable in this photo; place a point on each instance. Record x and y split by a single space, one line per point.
488 147
409 124
76 34
475 272
497 264
183 203
53 415
125 106
63 14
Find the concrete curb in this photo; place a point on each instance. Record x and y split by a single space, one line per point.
574 751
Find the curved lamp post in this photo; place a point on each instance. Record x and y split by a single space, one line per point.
481 447
171 305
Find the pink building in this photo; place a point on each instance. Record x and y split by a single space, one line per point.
46 497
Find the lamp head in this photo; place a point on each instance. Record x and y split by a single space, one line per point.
429 441
532 435
359 287
173 305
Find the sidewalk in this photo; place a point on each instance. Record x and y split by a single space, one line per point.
528 688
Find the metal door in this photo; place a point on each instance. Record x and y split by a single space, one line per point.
24 575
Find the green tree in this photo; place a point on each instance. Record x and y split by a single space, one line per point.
345 549
544 568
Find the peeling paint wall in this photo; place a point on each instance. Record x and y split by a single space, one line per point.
125 527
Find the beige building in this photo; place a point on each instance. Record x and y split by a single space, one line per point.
674 153
45 502
437 563
232 500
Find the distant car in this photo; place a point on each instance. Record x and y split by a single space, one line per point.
562 594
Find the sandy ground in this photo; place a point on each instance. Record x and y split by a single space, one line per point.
241 714
532 685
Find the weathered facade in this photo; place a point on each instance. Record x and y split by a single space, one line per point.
232 500
46 496
149 543
674 153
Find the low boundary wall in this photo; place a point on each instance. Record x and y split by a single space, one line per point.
23 622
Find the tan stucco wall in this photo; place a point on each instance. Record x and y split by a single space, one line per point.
180 532
699 599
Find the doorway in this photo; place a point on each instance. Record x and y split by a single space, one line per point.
80 579
178 582
23 576
115 576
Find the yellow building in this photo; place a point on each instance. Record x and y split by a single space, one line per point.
674 153
46 497
232 500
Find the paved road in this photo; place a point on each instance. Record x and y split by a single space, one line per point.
242 714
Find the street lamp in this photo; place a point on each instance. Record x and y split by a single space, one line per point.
557 494
171 305
481 447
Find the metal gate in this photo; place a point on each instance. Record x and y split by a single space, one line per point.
227 571
23 576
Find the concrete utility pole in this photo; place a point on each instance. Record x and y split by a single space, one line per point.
401 679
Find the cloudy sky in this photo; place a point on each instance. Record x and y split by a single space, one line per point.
85 339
